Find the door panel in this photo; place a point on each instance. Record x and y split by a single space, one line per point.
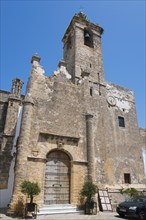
57 178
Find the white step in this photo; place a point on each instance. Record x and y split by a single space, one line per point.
59 209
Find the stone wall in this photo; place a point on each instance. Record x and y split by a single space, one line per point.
8 118
55 118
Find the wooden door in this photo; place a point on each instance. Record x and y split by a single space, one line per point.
57 178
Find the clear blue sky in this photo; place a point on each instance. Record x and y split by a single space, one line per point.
29 26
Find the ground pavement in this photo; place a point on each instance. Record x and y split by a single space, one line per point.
99 216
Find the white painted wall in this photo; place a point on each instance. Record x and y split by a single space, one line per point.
5 194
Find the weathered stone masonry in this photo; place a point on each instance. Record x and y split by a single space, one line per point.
76 119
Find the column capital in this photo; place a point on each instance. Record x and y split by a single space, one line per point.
28 99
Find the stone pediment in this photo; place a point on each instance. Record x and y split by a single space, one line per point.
58 139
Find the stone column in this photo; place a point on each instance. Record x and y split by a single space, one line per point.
21 166
22 151
90 147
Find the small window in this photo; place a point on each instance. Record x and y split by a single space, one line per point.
88 38
121 121
98 75
91 91
85 74
127 178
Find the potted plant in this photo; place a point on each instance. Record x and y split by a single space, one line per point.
89 190
30 189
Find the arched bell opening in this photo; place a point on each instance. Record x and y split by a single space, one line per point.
88 38
57 178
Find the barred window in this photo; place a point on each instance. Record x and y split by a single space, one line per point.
121 121
127 178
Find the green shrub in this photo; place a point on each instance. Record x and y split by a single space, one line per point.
30 189
89 189
132 192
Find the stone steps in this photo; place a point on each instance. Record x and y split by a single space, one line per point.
59 209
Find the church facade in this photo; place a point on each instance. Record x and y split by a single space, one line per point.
72 126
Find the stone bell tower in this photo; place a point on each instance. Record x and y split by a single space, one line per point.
82 49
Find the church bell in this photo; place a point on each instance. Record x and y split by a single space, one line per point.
87 35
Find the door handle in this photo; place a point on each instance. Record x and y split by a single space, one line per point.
56 185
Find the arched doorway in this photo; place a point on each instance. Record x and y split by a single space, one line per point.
57 178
